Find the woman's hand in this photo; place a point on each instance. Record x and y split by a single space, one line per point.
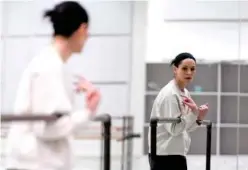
83 85
190 103
203 110
92 94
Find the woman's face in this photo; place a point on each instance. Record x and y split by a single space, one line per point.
79 38
185 71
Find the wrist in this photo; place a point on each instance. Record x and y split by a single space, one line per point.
199 118
195 110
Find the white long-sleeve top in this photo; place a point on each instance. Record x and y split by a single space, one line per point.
173 138
43 145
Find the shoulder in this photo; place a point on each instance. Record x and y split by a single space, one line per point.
41 66
168 92
44 62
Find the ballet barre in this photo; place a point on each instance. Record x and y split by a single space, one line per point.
28 117
105 119
153 137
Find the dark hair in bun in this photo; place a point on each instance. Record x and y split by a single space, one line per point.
180 57
66 17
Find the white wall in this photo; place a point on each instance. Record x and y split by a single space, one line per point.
1 51
1 17
212 30
114 50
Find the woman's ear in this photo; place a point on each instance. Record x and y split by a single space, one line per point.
174 70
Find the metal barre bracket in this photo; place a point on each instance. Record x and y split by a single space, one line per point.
206 122
103 118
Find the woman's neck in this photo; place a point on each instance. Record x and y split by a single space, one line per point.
180 85
61 45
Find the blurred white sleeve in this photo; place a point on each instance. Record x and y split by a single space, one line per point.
170 109
48 95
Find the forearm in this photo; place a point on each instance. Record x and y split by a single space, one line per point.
193 127
187 121
195 124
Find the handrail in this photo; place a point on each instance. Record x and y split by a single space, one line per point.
105 119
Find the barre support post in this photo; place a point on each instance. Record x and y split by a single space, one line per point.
208 125
153 137
208 148
107 142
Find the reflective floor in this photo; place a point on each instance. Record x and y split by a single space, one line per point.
194 163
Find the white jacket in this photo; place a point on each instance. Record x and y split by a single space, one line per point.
173 138
41 145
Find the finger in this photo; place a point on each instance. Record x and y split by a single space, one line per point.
187 101
80 86
188 104
205 106
77 87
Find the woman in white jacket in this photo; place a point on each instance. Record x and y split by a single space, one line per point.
173 139
43 89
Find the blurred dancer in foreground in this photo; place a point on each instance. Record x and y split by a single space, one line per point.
42 89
